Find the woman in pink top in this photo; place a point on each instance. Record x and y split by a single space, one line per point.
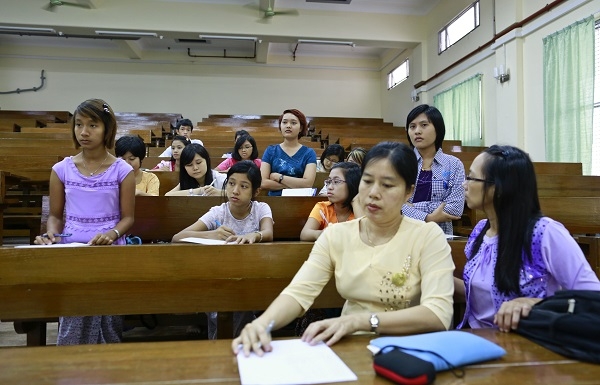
245 149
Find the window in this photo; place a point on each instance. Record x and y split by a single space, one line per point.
596 130
459 27
398 75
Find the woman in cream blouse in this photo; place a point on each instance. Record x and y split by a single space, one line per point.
395 272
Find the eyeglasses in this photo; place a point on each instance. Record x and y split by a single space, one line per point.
332 160
246 148
470 178
335 182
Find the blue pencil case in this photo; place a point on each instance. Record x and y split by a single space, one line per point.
445 350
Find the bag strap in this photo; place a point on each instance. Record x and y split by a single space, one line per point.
458 372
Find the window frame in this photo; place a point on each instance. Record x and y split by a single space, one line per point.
444 31
391 74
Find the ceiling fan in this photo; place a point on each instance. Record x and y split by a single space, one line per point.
267 11
52 4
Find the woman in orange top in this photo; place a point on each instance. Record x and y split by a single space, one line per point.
342 187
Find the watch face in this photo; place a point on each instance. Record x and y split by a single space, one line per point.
374 321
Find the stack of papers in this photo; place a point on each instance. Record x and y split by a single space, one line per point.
293 362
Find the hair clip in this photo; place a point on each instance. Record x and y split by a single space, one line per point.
105 108
505 153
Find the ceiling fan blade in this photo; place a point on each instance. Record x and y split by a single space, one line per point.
49 7
290 12
80 5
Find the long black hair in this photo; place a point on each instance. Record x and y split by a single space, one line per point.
517 206
187 156
239 143
252 172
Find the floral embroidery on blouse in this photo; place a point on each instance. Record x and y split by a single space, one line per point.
394 288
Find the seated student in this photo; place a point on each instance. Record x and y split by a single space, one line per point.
395 272
240 220
195 176
289 164
238 133
342 187
177 146
133 150
438 195
184 128
517 256
356 155
333 154
245 149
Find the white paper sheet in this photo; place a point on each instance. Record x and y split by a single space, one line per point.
203 241
293 362
74 244
299 192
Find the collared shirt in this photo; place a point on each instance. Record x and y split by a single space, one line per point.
448 174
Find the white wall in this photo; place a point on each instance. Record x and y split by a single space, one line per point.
513 111
193 90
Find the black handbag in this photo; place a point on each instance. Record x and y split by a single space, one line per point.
567 323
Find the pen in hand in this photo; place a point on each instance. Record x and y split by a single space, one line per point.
57 235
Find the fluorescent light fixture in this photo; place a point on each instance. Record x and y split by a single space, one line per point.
26 29
228 37
328 42
126 33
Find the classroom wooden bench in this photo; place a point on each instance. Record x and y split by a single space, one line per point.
211 362
41 283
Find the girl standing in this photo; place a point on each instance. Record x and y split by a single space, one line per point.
342 187
245 149
289 164
196 176
177 145
438 195
92 197
240 220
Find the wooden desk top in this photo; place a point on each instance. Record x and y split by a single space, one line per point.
211 362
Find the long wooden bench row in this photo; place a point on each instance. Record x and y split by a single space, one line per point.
150 279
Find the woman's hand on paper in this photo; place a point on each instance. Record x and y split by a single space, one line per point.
255 337
331 330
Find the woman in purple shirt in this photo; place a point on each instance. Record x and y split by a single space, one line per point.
517 256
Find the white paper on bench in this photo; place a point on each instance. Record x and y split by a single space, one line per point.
294 362
204 241
74 244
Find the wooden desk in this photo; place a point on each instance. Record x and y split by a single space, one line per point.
211 362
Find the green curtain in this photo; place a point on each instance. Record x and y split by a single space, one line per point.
569 94
461 107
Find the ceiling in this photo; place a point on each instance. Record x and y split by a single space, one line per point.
191 45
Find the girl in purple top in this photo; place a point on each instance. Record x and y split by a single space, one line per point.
92 197
516 257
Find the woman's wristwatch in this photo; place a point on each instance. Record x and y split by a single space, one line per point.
280 178
374 321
